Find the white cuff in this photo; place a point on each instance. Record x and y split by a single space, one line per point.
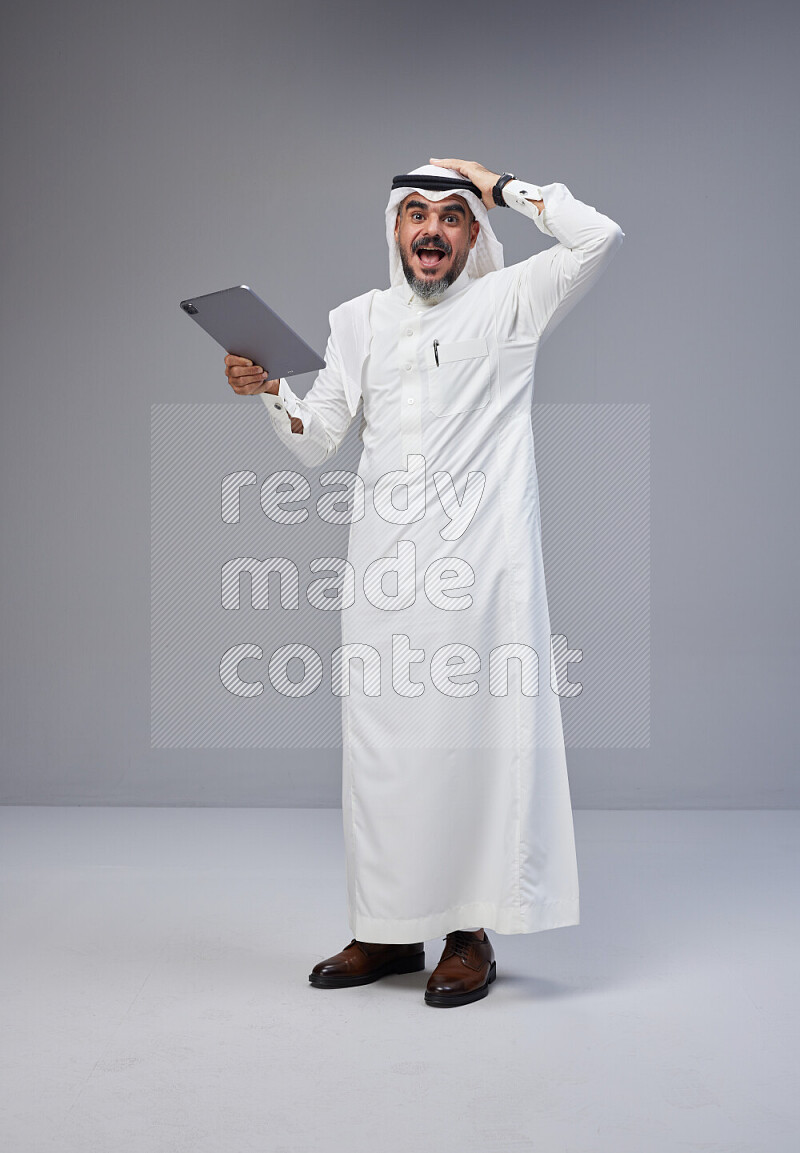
288 396
519 194
278 412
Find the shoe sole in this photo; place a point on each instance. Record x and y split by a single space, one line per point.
402 965
446 1000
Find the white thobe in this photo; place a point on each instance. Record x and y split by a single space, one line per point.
455 796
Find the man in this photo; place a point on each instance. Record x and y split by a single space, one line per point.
455 795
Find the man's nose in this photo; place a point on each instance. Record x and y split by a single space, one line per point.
432 225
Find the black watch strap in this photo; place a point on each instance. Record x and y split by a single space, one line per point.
497 191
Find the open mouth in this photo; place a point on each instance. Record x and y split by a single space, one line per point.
430 257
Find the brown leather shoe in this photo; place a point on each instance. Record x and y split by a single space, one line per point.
361 962
464 973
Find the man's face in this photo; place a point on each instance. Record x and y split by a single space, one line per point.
434 237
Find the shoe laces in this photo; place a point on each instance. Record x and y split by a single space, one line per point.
461 941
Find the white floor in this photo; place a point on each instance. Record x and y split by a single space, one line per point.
155 995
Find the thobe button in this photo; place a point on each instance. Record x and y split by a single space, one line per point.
410 400
407 367
277 406
409 332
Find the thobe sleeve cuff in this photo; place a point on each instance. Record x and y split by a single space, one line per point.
518 194
281 406
312 445
288 397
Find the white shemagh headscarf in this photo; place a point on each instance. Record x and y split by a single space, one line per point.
486 256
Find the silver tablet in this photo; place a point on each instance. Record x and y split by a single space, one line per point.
244 325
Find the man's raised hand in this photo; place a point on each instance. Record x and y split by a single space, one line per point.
471 170
246 378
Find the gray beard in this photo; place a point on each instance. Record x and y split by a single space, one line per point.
431 289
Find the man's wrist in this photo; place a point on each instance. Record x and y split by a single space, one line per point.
499 185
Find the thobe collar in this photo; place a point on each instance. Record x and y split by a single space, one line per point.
405 293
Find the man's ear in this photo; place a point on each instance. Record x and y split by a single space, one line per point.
474 229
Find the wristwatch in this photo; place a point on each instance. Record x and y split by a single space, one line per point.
497 191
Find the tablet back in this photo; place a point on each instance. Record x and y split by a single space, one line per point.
243 324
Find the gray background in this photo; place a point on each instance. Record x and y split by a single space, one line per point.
155 151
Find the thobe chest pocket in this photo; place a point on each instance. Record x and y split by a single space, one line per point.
459 376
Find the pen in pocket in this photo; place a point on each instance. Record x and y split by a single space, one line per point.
436 352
